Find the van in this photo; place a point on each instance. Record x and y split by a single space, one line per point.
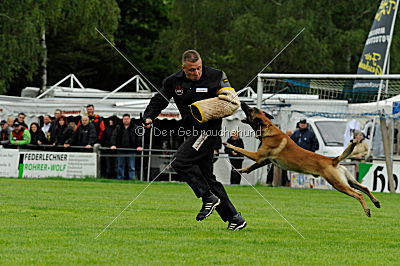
329 133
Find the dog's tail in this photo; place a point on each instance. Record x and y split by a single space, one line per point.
345 153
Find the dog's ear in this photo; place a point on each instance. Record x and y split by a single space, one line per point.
268 116
258 122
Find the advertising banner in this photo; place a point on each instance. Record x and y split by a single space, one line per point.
374 57
374 176
9 163
38 164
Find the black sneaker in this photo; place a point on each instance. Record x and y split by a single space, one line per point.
209 204
237 223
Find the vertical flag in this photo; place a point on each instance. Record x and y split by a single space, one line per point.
376 50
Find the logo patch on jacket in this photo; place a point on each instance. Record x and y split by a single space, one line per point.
179 90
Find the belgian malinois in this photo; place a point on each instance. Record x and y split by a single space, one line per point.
278 148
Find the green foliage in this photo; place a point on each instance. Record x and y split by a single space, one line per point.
55 222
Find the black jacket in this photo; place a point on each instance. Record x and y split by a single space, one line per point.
186 92
116 138
306 139
84 135
38 135
61 134
107 135
237 143
4 134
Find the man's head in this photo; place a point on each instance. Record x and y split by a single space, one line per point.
17 126
3 124
126 119
303 124
235 134
85 120
57 113
192 65
46 119
21 117
90 110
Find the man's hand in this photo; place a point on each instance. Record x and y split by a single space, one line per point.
113 147
139 148
66 145
88 146
234 153
147 123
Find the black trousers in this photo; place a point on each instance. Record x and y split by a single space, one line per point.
235 176
196 168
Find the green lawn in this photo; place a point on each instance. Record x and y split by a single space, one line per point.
55 222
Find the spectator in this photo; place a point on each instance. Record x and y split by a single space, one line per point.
37 136
4 133
109 162
361 149
85 135
304 137
124 136
21 120
235 158
62 131
47 129
10 121
96 120
20 135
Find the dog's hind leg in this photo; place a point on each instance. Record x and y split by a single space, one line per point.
366 191
355 184
352 193
253 167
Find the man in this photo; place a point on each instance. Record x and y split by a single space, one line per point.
124 136
193 160
4 133
235 158
304 137
21 120
20 135
47 129
96 120
85 135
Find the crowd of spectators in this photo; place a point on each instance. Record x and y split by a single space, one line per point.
80 134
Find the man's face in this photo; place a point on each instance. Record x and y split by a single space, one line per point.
90 111
46 119
17 128
85 120
57 114
21 118
4 126
192 70
126 120
303 125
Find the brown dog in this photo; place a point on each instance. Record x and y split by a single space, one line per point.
279 149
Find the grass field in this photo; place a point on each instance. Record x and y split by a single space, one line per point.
55 222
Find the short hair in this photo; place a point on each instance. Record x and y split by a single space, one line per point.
190 56
58 110
128 115
356 133
21 114
89 105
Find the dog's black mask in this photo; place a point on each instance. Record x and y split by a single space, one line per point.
251 117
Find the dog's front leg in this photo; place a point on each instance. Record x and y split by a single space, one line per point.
251 155
253 167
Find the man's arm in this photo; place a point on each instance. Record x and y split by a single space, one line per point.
159 101
315 144
26 138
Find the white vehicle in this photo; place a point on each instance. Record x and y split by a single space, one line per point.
329 133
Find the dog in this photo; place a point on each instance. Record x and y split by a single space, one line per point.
278 148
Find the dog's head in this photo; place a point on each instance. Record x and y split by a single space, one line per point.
255 117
